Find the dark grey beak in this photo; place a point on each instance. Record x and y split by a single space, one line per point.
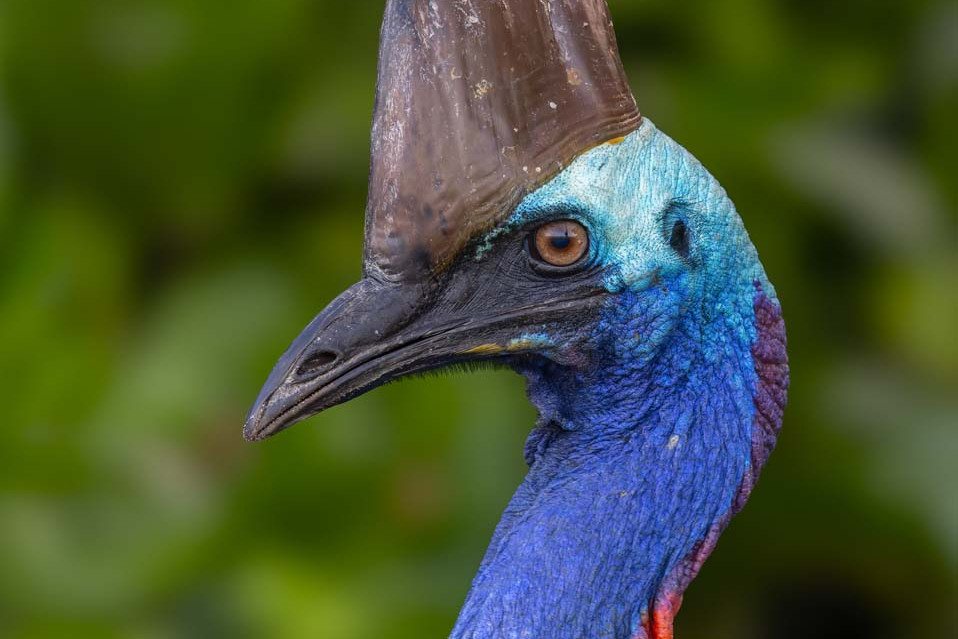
328 363
378 331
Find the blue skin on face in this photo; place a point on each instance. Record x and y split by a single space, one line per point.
643 450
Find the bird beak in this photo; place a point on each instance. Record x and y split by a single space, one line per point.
331 360
375 332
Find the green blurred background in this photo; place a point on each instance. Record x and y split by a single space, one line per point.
182 186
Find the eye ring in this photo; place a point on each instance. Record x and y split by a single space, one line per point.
559 244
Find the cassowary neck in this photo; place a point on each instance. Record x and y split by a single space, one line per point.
635 468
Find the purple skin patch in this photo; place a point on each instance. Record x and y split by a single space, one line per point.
771 390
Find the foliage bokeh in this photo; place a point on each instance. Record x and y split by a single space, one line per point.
181 188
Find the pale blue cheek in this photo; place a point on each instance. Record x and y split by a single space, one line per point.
625 194
621 193
530 341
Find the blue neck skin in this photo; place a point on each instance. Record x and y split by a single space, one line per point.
640 452
649 456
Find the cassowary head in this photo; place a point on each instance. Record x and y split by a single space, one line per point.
522 212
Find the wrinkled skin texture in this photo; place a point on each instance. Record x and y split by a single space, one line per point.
655 419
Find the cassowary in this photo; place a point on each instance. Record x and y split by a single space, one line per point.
522 211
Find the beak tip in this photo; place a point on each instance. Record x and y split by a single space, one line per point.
250 434
255 429
264 421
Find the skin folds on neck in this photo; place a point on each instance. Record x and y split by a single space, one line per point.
650 456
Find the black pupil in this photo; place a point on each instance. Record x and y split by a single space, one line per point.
680 239
560 242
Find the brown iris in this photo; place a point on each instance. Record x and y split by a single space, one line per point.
560 243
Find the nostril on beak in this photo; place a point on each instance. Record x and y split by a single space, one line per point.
316 362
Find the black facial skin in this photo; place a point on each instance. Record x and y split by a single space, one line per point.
377 331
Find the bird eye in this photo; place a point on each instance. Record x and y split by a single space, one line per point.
560 243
